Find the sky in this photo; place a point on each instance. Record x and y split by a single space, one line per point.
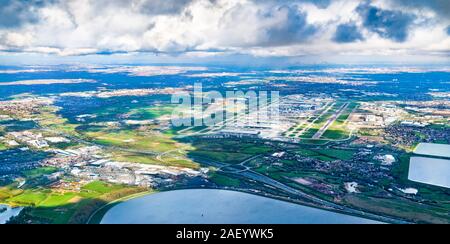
241 31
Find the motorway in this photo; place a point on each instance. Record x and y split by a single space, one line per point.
252 175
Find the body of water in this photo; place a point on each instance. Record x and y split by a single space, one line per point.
206 206
6 212
433 149
433 171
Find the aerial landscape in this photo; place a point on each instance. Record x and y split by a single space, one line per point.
224 112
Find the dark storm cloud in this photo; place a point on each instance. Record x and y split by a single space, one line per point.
15 13
347 33
441 7
266 25
294 29
389 24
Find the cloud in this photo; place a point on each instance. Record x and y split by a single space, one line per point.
347 32
389 24
15 13
440 7
294 28
264 25
448 30
223 27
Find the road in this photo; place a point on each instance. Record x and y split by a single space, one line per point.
252 175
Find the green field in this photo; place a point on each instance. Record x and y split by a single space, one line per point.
131 139
28 198
38 172
153 112
227 151
326 154
49 206
336 131
55 200
226 157
148 159
49 119
100 187
335 134
319 121
336 153
403 208
313 141
223 180
309 133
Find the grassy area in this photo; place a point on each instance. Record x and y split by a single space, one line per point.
100 187
153 112
313 142
8 192
56 199
224 180
336 153
319 121
335 134
369 132
50 206
231 146
402 208
309 133
17 125
326 154
227 151
144 141
97 217
28 198
400 169
49 119
34 173
226 157
167 160
3 146
338 129
134 158
131 139
179 162
306 152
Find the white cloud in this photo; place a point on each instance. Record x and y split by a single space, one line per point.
212 27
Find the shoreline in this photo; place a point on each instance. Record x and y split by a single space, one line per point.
381 219
346 218
9 212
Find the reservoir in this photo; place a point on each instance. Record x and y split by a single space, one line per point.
6 212
207 206
433 171
433 149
